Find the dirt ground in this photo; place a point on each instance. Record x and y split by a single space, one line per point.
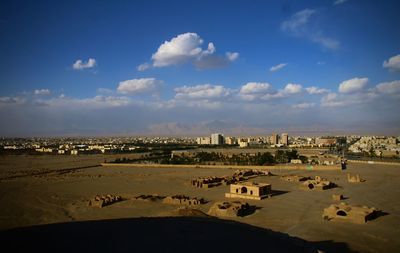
52 189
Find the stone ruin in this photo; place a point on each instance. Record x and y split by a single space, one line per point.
104 200
238 176
350 213
294 178
317 184
249 190
337 197
183 200
231 209
354 179
154 197
207 182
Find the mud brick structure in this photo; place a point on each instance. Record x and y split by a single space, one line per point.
104 200
349 213
183 200
249 190
231 209
317 184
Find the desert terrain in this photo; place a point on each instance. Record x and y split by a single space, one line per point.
39 190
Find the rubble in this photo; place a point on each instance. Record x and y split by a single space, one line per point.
183 200
294 178
104 200
231 209
350 213
154 197
249 190
317 184
337 197
354 179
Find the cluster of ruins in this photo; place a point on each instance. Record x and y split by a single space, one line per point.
317 184
104 200
231 209
354 179
249 190
350 213
238 176
183 200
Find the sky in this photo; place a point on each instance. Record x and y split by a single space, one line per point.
101 68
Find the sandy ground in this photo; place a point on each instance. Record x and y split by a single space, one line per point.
38 190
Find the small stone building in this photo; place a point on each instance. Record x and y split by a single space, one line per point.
249 190
349 213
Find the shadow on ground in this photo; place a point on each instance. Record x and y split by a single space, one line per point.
166 234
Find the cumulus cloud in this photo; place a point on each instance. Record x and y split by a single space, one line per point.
141 85
303 105
393 63
353 85
337 2
292 88
331 100
187 47
202 91
42 92
277 67
389 87
297 25
79 64
254 90
315 90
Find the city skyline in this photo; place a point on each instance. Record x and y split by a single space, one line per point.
178 68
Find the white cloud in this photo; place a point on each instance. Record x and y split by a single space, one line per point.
254 87
389 87
143 67
203 91
232 56
337 2
277 67
292 88
42 92
303 105
331 100
393 63
297 21
297 25
325 41
187 47
79 64
11 100
180 49
141 85
353 85
315 90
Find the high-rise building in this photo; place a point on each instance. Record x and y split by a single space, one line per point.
274 139
285 139
217 139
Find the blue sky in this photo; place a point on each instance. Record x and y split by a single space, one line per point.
243 67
